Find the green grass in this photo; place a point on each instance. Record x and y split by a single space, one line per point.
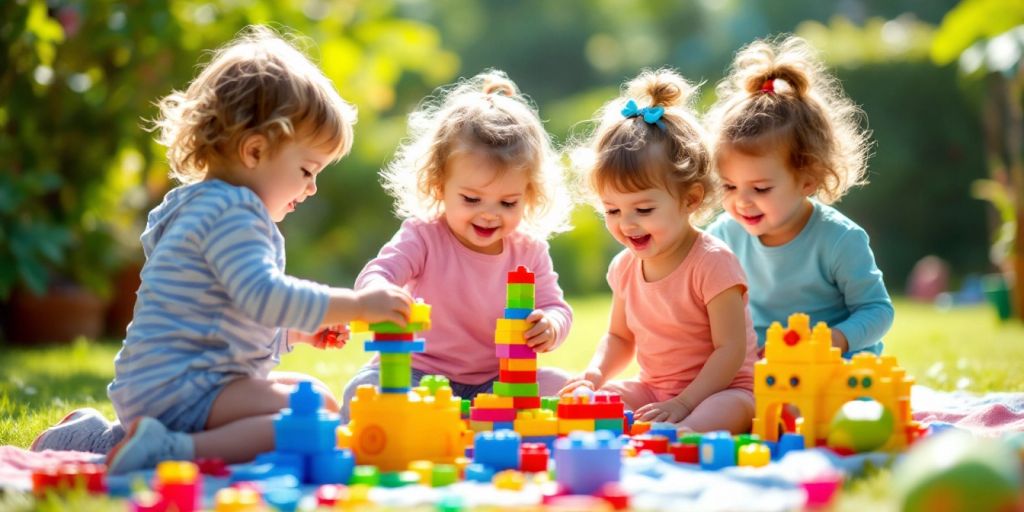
958 349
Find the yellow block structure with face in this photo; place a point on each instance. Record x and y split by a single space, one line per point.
801 368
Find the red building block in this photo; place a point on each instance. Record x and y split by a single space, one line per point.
517 377
91 477
533 457
526 402
689 453
655 444
521 276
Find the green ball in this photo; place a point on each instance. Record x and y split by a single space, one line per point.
861 426
954 472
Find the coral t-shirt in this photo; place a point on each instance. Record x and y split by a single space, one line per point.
669 317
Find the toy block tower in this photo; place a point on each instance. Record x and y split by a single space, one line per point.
802 368
400 424
516 388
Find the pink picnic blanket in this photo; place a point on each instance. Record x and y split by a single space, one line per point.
990 414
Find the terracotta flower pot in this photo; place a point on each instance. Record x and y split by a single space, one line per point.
65 312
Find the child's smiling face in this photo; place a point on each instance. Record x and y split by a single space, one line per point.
652 223
483 202
761 194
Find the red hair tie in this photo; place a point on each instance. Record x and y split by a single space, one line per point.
768 86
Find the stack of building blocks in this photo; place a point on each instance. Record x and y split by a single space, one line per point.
305 441
590 413
516 388
802 368
398 425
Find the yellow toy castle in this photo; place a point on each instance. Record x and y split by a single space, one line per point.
802 368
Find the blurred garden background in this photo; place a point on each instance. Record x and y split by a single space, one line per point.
940 81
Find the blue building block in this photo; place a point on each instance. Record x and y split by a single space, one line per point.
790 442
479 473
503 425
395 347
773 448
498 450
305 434
517 313
665 430
333 467
305 400
286 463
585 461
717 450
629 420
395 391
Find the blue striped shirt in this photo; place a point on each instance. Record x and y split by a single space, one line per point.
213 302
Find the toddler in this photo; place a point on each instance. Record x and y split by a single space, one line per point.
678 295
215 309
480 189
786 144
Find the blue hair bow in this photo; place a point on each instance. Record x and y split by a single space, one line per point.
651 115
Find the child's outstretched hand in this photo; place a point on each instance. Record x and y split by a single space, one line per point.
591 379
671 411
541 336
334 336
384 303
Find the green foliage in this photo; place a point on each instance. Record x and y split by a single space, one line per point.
80 78
970 21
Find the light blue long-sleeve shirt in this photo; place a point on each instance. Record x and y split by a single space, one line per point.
212 304
828 272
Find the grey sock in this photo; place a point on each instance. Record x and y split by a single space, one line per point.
79 434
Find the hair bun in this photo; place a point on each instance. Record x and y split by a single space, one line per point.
763 62
664 87
498 83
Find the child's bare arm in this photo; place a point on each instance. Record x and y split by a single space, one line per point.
729 335
384 303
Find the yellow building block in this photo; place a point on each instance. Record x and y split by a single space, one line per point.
754 454
492 401
566 426
508 324
510 337
231 499
509 479
536 422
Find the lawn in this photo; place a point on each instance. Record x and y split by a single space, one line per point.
957 349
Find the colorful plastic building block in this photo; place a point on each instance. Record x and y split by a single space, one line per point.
533 457
498 450
717 450
234 499
585 461
64 477
802 368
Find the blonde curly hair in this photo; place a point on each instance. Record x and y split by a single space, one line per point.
779 95
630 155
485 114
260 83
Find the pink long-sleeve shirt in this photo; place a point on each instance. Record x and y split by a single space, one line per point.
466 291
